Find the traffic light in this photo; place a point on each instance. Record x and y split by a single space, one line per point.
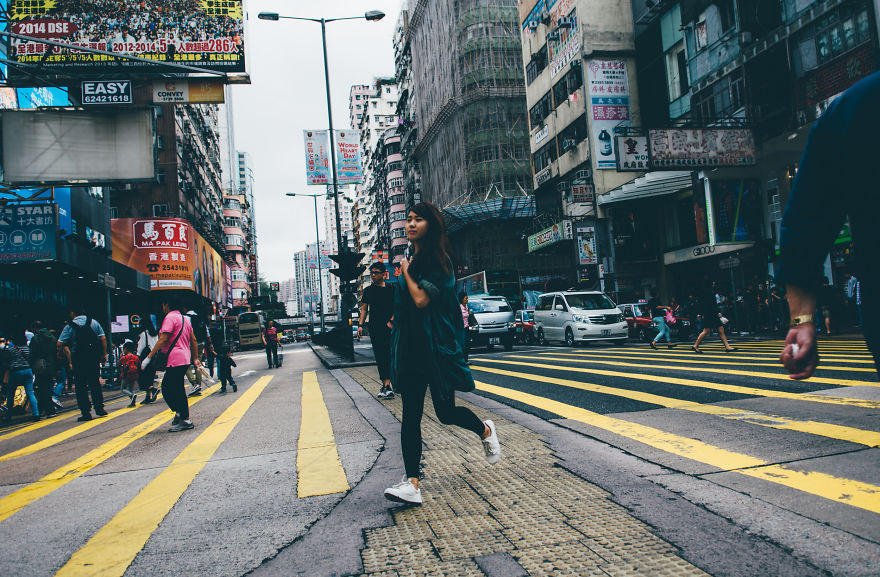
274 286
318 308
349 265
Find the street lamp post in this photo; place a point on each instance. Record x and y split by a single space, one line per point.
318 251
372 16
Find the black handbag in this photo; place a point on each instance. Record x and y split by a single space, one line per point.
159 362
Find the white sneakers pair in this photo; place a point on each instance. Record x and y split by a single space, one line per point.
406 492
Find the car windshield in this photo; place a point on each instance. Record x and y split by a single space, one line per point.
637 310
589 302
488 306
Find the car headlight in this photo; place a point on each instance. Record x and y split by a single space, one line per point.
580 319
474 327
620 318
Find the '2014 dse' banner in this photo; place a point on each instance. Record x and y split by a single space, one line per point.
200 33
171 253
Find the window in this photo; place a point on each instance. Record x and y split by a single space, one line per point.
536 64
396 199
676 71
232 204
239 276
841 31
544 156
398 233
395 183
545 303
357 96
572 134
234 240
589 302
114 212
541 110
397 216
721 99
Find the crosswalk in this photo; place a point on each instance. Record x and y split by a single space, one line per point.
80 448
718 410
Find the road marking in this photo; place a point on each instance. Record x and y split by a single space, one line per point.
751 391
319 470
49 421
728 356
16 501
690 359
777 376
843 433
848 491
112 549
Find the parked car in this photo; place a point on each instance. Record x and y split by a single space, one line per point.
579 316
491 322
524 326
301 335
643 327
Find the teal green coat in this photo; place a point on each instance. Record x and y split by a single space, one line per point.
429 342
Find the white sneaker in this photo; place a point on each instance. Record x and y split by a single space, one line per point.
491 445
404 492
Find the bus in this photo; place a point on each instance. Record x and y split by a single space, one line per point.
250 330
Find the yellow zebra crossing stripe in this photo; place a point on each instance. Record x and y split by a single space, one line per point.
16 501
662 354
576 358
319 470
830 430
112 549
848 491
16 430
866 403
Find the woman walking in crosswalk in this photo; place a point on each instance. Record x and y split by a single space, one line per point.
427 348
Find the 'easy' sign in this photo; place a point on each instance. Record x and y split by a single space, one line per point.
106 92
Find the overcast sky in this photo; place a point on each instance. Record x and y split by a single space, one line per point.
287 95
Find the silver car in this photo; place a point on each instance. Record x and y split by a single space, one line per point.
491 322
579 316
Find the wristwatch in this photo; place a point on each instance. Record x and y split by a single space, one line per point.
799 320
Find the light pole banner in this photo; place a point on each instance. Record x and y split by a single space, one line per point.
348 156
317 145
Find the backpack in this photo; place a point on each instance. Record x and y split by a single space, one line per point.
131 367
43 353
88 346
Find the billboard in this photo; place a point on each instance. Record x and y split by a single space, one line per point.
608 93
632 153
550 235
348 157
63 146
317 147
172 254
193 91
200 33
27 232
689 149
586 243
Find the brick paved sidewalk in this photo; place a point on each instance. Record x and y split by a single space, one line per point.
528 508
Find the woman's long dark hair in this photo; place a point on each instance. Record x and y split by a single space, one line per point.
434 252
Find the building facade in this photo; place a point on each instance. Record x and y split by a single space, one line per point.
306 280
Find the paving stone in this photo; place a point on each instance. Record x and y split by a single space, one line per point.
540 533
573 559
419 554
619 549
465 524
467 545
460 568
397 534
668 565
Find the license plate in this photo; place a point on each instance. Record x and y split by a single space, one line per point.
606 333
494 340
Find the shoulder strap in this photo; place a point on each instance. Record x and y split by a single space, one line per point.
180 332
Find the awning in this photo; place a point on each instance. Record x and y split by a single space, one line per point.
657 183
704 250
458 217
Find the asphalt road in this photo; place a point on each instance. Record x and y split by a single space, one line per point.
703 448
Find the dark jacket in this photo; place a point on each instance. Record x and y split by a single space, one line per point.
224 366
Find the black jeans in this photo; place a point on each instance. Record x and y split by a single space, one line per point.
174 391
272 354
88 384
380 337
413 390
44 382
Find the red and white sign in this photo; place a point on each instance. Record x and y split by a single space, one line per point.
45 28
160 234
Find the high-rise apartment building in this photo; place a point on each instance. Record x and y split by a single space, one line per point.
306 279
346 205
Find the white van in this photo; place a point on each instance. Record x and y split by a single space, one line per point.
579 316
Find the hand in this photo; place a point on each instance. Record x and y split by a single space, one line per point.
404 266
197 363
800 355
390 325
360 332
145 363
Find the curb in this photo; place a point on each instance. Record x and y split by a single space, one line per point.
332 361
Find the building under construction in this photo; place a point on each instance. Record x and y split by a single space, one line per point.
469 114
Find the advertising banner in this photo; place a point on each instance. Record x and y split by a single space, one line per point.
106 92
632 153
550 235
312 258
564 41
348 157
609 107
690 149
317 146
171 253
586 241
27 232
582 193
191 91
199 33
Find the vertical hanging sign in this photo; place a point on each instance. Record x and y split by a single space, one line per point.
317 146
609 107
348 156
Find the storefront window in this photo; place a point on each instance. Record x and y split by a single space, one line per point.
737 208
635 233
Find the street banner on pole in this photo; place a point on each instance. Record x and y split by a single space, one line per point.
317 146
348 157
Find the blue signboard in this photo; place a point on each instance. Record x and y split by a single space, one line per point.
61 198
27 232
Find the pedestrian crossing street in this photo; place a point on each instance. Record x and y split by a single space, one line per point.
111 549
734 412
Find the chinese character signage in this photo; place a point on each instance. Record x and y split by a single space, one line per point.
586 244
348 156
632 153
172 254
317 145
608 93
550 235
692 149
199 33
582 193
27 232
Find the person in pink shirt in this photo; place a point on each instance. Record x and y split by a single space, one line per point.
176 337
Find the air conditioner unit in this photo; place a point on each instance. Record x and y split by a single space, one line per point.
582 174
568 143
562 186
533 25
